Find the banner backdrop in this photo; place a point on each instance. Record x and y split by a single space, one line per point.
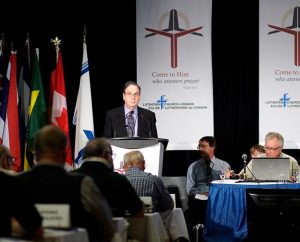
279 75
174 68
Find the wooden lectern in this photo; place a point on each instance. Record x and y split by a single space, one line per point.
152 149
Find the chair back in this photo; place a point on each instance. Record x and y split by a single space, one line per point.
173 189
173 195
180 182
147 200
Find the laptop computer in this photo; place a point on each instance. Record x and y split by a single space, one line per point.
271 169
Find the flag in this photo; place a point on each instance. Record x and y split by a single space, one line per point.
24 95
4 91
1 69
24 85
37 111
83 114
11 135
59 111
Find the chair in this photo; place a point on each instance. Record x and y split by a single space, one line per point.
147 200
180 182
173 195
173 189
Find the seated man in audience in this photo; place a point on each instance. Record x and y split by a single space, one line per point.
147 184
15 204
49 183
150 185
118 191
273 149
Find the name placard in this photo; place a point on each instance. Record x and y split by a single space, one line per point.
55 215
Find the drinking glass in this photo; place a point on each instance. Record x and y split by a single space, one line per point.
296 176
222 175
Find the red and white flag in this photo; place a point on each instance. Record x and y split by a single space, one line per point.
11 135
59 111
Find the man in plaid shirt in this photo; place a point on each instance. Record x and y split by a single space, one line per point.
145 183
152 186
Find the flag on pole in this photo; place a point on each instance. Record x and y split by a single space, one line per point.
24 95
2 68
24 84
37 111
11 135
59 111
83 114
3 89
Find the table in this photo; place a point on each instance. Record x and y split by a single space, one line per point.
54 235
121 225
175 224
226 214
149 228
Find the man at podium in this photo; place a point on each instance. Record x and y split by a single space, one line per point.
130 120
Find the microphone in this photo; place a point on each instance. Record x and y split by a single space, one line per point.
244 157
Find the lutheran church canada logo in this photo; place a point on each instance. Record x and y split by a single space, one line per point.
173 32
291 29
284 101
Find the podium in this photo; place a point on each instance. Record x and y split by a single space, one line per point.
152 149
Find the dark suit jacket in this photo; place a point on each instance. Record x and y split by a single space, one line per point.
118 191
115 124
15 203
52 184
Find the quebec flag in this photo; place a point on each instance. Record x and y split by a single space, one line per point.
83 114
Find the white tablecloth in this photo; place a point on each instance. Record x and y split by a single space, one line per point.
149 228
175 224
121 225
53 235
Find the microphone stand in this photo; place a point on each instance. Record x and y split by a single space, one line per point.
244 157
255 179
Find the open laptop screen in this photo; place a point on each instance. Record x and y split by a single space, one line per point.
272 169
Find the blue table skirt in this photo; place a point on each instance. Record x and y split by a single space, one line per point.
226 215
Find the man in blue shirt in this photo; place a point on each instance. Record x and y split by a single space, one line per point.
199 175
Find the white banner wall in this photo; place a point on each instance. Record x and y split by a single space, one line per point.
279 75
174 68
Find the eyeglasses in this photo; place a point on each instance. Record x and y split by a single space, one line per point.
202 146
271 148
128 94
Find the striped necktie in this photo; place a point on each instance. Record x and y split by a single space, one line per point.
130 125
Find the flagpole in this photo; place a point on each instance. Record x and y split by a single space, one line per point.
27 44
56 42
84 33
59 111
2 41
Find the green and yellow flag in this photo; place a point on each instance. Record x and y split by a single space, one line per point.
37 112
